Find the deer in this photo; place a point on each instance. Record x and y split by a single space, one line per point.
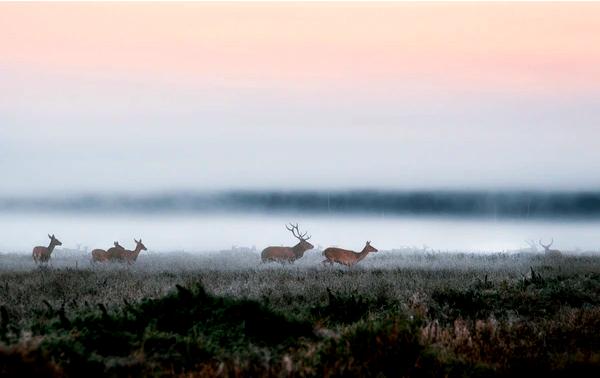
101 255
288 254
42 254
345 256
124 255
550 252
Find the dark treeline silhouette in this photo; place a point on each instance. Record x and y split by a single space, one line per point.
504 204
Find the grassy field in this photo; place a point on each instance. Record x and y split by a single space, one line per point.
398 313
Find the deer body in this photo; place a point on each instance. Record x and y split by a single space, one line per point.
42 254
345 256
124 255
285 254
288 254
550 252
101 255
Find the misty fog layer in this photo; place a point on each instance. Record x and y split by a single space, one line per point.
201 233
244 142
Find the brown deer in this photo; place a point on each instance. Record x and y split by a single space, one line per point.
124 255
288 254
42 254
550 252
101 255
345 256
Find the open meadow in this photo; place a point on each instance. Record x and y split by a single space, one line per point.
323 189
397 313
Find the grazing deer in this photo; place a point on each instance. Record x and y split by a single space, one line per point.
550 252
288 254
100 255
124 255
42 254
346 257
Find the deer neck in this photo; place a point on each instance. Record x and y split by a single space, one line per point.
51 247
136 252
362 254
298 250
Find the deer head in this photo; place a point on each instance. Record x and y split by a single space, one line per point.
369 247
139 245
53 240
304 244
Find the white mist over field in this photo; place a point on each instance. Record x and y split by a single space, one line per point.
204 233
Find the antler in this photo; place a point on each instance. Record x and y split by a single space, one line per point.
296 232
293 230
547 246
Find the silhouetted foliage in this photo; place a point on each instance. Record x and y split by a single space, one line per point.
181 330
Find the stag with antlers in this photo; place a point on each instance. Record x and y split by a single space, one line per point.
288 254
550 252
42 254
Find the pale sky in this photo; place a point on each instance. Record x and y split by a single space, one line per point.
126 97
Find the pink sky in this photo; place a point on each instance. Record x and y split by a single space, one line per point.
526 47
221 95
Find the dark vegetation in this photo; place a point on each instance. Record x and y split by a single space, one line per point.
423 315
486 204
